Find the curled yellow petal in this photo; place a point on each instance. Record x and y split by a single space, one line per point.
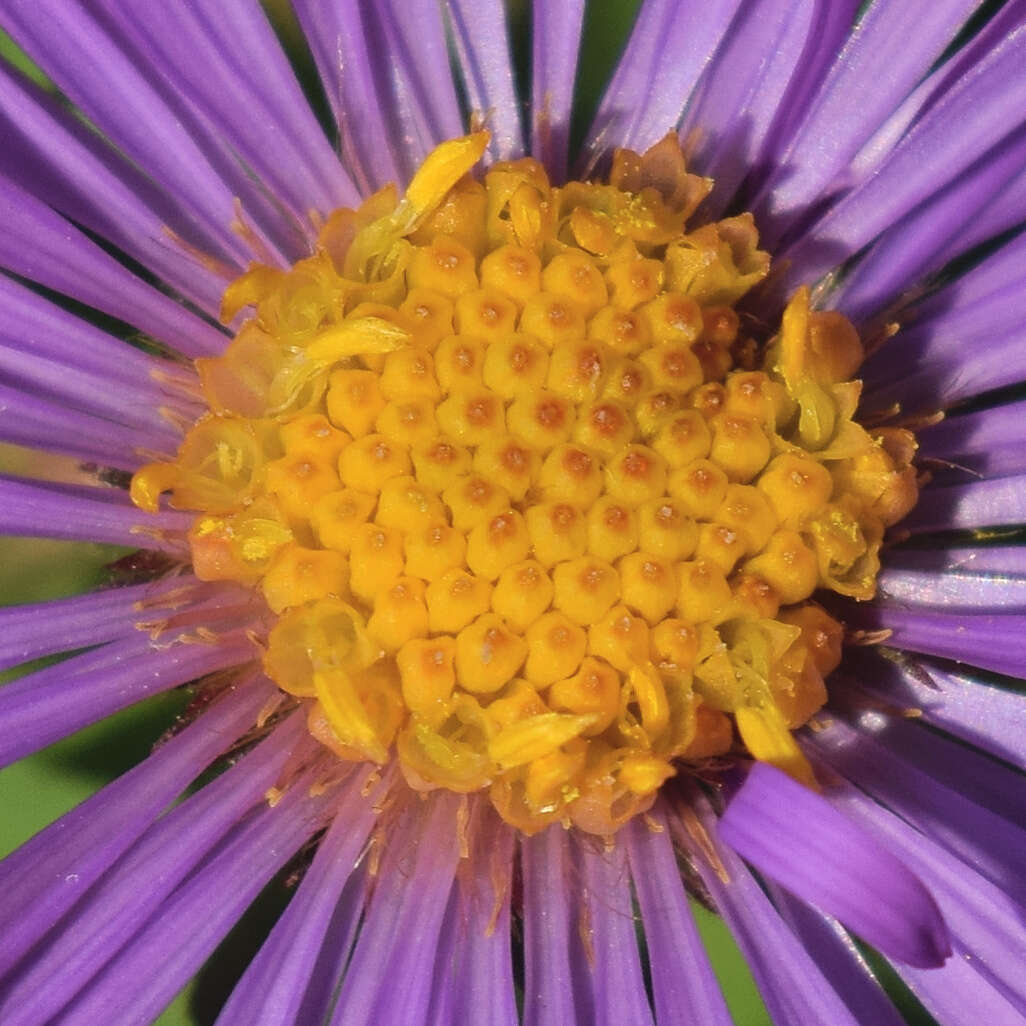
442 169
357 336
764 730
534 737
348 715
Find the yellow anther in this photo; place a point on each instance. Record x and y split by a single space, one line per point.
406 505
300 479
627 381
522 593
297 575
620 638
637 475
515 365
676 643
458 363
645 774
428 677
322 635
788 565
535 738
739 446
571 474
585 588
472 500
513 270
575 275
577 370
704 595
555 648
552 319
604 426
648 585
440 464
375 559
354 400
431 315
541 419
625 332
434 550
488 655
523 498
612 529
445 267
557 532
511 465
400 614
360 336
666 530
720 545
409 374
593 691
674 318
700 488
746 510
633 282
495 544
683 438
369 462
472 417
410 423
455 599
313 431
655 408
485 313
822 635
673 365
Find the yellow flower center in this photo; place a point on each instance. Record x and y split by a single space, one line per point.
531 510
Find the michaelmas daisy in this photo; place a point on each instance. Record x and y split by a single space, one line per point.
551 523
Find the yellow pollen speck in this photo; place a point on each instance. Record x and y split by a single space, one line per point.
529 508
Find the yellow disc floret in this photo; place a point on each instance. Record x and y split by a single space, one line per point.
528 511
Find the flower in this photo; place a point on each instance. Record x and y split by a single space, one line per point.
502 798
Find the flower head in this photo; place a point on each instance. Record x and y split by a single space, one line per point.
512 526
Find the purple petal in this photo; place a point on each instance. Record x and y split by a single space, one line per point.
337 37
987 103
975 711
980 504
39 424
840 960
555 42
874 72
794 989
103 82
403 919
618 990
796 837
550 946
986 924
34 510
907 252
957 589
987 441
197 916
48 874
133 890
273 988
59 160
739 95
51 703
683 983
986 841
42 246
474 970
482 44
667 52
975 638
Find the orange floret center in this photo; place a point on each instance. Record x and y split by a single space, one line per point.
530 510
